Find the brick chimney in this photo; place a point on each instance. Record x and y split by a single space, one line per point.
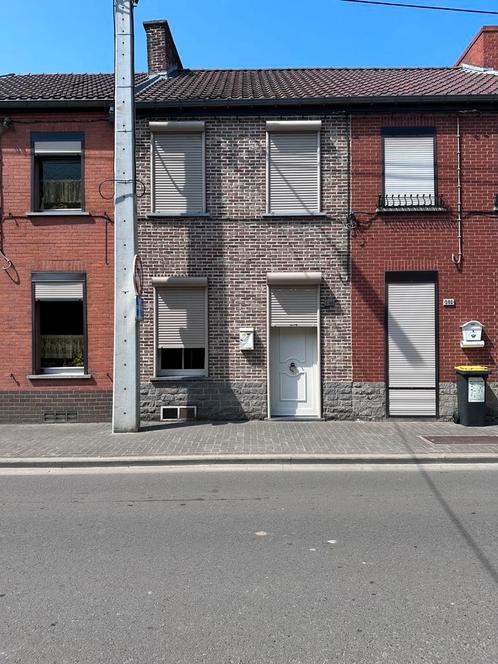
162 55
482 50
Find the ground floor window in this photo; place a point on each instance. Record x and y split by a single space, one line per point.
59 335
181 327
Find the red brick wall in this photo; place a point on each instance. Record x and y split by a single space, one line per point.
426 241
483 50
82 244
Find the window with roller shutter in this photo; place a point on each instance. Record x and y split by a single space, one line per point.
294 170
181 330
409 169
178 173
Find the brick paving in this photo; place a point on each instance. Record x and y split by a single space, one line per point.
239 439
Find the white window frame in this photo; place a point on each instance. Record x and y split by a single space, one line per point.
179 127
171 282
288 127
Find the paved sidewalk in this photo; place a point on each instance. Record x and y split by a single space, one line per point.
210 441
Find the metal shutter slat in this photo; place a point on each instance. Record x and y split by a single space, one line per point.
412 403
181 317
178 172
57 147
412 348
409 165
293 307
293 177
67 290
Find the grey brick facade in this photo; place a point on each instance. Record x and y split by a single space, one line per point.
235 247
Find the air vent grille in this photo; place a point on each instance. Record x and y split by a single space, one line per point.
178 413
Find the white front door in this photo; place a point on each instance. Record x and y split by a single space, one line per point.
294 372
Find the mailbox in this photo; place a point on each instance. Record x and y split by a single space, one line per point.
472 334
246 338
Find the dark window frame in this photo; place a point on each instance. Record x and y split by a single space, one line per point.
389 132
35 184
39 277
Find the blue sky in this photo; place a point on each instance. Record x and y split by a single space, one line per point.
59 35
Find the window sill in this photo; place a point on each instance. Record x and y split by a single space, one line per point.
175 215
284 215
59 376
403 209
166 379
59 213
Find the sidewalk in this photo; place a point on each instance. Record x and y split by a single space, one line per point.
208 442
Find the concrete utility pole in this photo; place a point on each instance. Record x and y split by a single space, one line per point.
125 384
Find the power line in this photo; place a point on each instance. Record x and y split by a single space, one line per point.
444 9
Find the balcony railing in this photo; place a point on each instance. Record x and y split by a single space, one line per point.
410 201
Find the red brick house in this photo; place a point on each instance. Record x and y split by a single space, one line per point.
56 285
425 241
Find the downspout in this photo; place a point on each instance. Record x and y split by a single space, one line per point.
458 258
350 221
8 263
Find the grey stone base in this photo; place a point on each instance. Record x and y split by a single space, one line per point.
215 400
337 400
369 401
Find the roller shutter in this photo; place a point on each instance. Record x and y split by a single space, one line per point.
409 165
181 317
56 291
294 307
412 348
293 183
178 172
57 147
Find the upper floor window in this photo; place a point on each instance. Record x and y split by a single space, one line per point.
293 169
409 168
178 168
58 172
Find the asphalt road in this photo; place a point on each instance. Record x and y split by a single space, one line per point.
250 567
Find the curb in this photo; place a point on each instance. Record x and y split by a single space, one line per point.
198 460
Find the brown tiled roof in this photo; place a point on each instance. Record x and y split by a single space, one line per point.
58 87
301 84
253 85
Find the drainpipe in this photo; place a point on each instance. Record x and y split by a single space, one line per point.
458 257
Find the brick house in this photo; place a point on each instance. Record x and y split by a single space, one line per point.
424 246
268 232
284 214
56 285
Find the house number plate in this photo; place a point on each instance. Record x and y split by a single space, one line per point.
476 390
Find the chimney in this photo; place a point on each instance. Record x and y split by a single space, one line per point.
482 50
162 56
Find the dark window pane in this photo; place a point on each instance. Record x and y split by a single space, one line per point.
59 182
171 358
194 358
62 340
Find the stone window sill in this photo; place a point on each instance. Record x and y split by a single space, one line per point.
293 215
177 215
168 379
406 209
59 376
59 213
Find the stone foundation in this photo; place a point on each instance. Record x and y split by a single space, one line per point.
369 401
337 400
33 407
215 400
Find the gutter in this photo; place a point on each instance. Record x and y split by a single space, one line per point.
319 101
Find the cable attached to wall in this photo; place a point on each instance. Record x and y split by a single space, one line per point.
458 257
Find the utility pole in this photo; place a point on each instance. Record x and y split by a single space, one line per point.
125 416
